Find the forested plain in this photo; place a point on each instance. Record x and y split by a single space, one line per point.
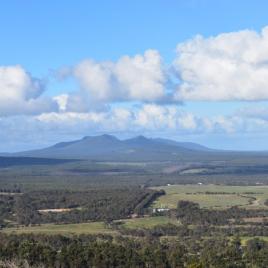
117 196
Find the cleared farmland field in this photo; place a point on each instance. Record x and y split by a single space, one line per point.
213 196
81 228
91 227
148 222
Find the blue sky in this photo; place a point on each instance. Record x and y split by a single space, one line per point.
50 51
42 35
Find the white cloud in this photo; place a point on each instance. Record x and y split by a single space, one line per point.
151 116
62 101
148 117
20 93
188 121
138 78
230 66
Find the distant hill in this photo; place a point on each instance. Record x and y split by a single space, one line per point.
108 147
186 145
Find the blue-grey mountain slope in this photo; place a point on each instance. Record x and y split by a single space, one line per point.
108 147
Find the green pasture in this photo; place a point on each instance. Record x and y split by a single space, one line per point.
148 222
213 196
81 228
91 227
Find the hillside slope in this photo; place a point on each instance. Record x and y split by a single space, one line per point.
108 147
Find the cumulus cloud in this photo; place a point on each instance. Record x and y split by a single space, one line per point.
230 66
20 93
138 78
227 67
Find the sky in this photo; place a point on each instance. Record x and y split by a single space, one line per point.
190 70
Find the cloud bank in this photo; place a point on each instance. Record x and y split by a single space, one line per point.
149 119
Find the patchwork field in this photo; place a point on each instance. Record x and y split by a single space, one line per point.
213 196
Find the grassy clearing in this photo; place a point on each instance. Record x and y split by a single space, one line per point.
148 222
223 197
208 201
90 228
81 228
244 239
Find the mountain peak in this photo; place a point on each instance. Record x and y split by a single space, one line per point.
104 136
108 136
141 138
139 141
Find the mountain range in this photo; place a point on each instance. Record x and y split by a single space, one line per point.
108 147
